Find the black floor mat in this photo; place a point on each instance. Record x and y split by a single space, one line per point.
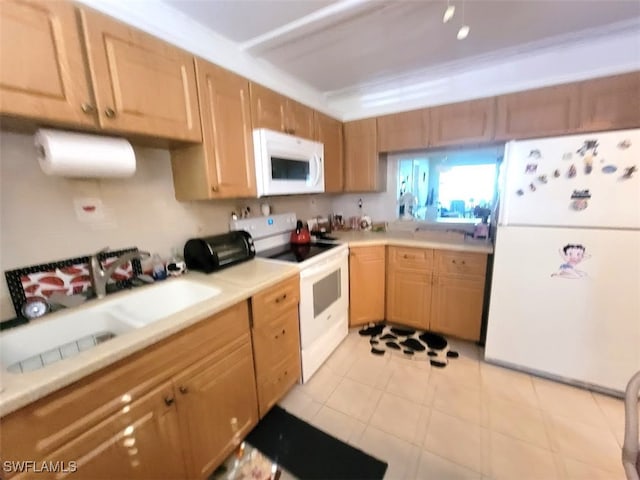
309 453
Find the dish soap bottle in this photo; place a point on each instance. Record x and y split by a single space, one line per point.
159 273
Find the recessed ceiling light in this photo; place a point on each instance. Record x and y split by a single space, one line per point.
448 13
463 32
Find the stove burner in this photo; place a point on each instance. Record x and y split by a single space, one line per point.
296 253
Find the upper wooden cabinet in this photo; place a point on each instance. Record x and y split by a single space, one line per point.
366 284
42 70
462 123
223 165
403 131
363 170
329 132
538 113
142 84
276 112
610 103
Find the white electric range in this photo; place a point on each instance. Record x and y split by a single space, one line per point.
324 284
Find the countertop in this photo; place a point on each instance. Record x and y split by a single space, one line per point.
237 284
420 239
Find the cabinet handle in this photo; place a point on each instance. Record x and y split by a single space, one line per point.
234 424
110 112
462 262
214 188
453 261
281 298
168 401
87 108
409 256
183 389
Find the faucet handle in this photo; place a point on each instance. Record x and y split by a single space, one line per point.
143 254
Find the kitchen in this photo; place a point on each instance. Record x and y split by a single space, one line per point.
141 210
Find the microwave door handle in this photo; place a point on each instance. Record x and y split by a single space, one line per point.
316 179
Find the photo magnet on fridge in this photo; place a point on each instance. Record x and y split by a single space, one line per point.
579 199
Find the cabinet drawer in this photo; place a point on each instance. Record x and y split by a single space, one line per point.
51 422
275 339
283 376
275 301
411 258
461 263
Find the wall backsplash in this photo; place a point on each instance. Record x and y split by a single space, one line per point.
39 222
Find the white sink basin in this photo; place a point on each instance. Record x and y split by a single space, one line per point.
50 340
153 303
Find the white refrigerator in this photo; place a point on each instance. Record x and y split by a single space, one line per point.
565 295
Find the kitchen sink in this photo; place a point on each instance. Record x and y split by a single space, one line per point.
49 340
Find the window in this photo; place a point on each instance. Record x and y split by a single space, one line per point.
463 188
448 184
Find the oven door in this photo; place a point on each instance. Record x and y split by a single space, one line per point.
324 297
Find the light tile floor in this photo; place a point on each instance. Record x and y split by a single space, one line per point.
470 420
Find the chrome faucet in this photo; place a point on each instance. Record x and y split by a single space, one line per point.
100 276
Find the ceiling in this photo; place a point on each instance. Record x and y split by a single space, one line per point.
339 45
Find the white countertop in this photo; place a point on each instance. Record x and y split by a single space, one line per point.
420 239
236 283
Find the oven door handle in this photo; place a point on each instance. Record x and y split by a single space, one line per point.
324 266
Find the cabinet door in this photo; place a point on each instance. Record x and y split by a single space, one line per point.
460 123
366 284
142 441
42 70
403 131
299 120
538 113
457 306
409 297
143 85
267 108
227 137
363 171
217 405
610 103
329 132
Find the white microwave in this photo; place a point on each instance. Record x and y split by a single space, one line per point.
287 165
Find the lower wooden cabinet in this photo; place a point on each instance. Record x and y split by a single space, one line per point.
409 276
438 290
142 442
457 306
174 410
366 284
216 401
276 341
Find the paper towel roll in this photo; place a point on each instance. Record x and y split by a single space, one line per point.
70 154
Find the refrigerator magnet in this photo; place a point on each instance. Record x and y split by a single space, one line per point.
532 187
542 179
556 173
609 169
579 199
624 144
535 154
629 171
531 168
589 148
572 255
567 156
588 165
520 192
572 171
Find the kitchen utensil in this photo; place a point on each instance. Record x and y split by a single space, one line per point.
300 235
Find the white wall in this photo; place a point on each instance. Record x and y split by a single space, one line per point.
38 222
